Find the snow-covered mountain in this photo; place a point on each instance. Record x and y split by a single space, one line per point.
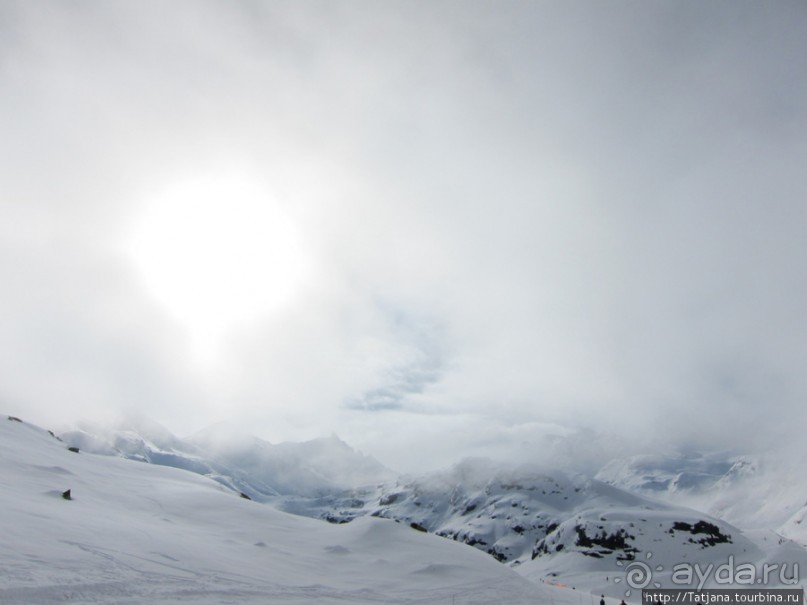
657 475
83 528
752 492
500 510
308 468
255 467
547 523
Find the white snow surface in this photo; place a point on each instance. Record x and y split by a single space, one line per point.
142 533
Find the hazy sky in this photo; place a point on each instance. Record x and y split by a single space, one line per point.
434 228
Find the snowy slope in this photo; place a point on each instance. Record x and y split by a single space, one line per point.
551 527
752 492
795 528
597 547
597 552
500 510
139 533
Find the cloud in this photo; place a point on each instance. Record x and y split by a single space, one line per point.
571 215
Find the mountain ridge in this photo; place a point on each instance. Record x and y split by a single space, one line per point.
543 521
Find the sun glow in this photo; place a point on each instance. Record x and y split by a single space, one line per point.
218 253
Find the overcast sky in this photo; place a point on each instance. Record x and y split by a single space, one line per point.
435 228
